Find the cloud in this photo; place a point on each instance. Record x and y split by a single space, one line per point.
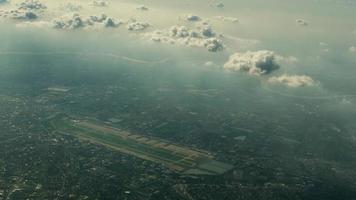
213 44
19 14
103 20
69 22
220 5
94 18
32 5
192 18
292 80
99 3
111 22
182 35
142 8
352 49
209 63
75 21
301 22
324 46
287 59
137 26
27 10
207 31
255 63
227 19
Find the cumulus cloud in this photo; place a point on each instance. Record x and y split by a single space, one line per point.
32 5
69 22
264 62
255 63
19 14
352 49
227 19
292 80
76 21
191 17
182 35
94 18
102 20
207 31
111 22
99 3
142 8
27 10
137 26
301 22
213 44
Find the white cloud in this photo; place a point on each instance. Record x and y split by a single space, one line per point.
213 44
207 31
301 22
32 5
99 3
220 5
27 10
227 19
111 22
292 80
19 14
192 17
323 44
142 8
137 26
287 59
182 35
75 21
255 63
69 22
209 63
352 49
100 18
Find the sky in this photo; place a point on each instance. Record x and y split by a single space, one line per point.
297 48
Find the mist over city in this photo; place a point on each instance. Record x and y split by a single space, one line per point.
178 100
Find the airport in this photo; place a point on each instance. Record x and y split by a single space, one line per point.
181 159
